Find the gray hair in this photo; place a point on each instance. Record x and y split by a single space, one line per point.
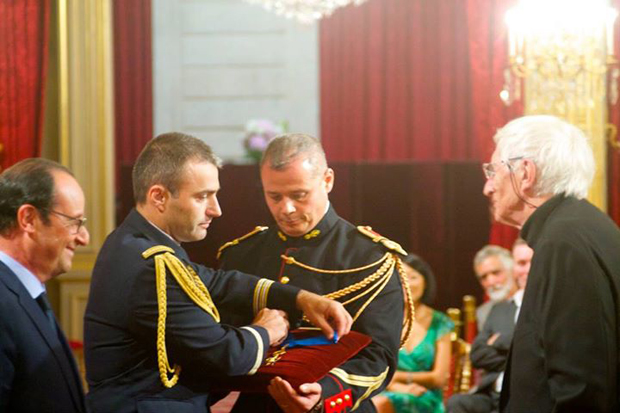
283 149
488 251
561 152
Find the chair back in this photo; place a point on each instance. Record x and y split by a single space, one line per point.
460 380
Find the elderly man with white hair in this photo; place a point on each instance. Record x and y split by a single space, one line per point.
565 351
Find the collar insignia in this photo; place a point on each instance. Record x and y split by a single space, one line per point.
312 234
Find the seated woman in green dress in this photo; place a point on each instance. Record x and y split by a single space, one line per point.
424 362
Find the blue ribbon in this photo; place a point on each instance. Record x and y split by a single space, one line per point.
319 340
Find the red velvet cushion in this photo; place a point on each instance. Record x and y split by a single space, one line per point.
301 365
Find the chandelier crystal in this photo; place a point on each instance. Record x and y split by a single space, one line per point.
306 11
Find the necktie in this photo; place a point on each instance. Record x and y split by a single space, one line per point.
49 314
47 310
516 309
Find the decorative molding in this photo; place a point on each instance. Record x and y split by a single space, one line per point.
73 299
86 135
87 112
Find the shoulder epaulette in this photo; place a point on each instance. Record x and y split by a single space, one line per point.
387 243
157 249
238 240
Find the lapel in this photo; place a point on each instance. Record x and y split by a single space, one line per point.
505 394
57 344
511 310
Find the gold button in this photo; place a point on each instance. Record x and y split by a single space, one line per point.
347 397
339 400
332 404
285 280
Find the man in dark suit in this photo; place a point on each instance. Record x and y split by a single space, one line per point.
41 225
565 355
489 350
313 248
153 337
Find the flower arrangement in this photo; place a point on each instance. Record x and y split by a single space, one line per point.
258 134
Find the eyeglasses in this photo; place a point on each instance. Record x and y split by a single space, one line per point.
77 223
490 170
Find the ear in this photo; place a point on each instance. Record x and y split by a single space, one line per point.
158 196
27 216
329 179
530 174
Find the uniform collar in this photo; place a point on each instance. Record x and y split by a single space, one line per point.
163 232
319 231
155 234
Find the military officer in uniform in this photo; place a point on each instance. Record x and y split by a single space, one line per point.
313 248
153 337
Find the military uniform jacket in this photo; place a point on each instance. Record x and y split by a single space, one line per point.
334 244
120 328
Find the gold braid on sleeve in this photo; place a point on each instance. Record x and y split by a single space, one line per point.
373 284
193 287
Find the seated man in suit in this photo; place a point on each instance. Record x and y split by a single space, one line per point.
150 307
41 225
490 348
493 268
313 248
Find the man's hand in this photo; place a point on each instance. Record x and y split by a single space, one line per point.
493 339
325 314
275 322
291 401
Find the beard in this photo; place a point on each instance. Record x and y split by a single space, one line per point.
501 293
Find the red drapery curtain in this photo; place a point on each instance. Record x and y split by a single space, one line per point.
487 60
394 82
133 90
415 79
23 66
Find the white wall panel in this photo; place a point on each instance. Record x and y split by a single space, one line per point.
220 63
233 49
228 16
212 82
225 140
231 113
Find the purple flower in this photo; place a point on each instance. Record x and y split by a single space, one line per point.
258 134
258 142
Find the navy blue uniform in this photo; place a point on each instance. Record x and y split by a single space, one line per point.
121 326
334 244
